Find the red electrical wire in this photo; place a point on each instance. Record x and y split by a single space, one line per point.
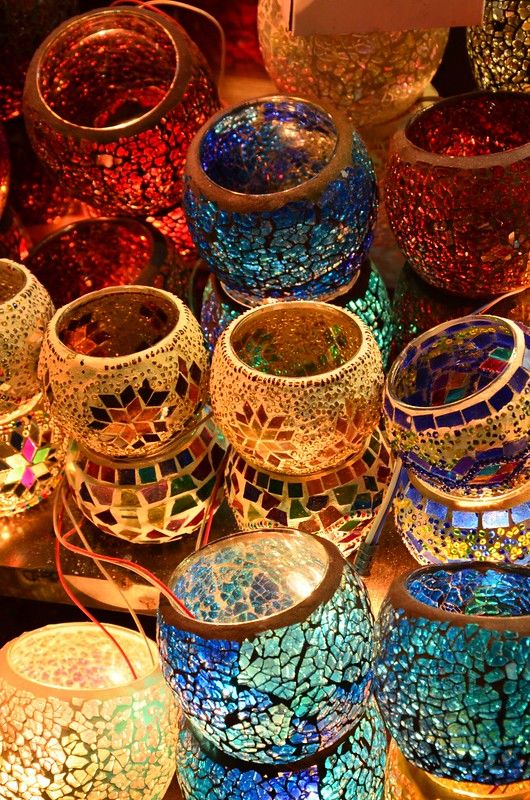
78 603
142 5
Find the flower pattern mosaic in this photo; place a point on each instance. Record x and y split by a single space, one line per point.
499 49
25 310
74 725
339 504
117 135
473 242
368 299
370 77
457 404
296 387
125 369
278 662
32 451
452 672
436 529
353 770
278 217
161 498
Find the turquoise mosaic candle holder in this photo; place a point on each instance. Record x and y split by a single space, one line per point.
438 527
339 503
280 197
351 770
276 664
453 670
367 298
457 404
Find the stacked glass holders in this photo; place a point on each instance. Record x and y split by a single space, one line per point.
32 447
296 390
272 667
125 373
457 413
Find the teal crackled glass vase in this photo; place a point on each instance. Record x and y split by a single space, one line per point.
276 664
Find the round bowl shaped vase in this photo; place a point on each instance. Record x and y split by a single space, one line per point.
499 49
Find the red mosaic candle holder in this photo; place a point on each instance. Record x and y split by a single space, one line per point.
457 193
112 101
92 254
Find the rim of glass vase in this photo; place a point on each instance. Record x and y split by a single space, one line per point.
159 250
293 615
33 95
400 597
19 271
483 394
410 151
10 674
148 292
232 200
319 378
501 501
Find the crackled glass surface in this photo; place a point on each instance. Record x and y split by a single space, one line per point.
435 530
467 240
84 727
95 253
456 403
353 771
285 680
368 299
112 100
455 694
371 77
303 246
338 504
296 387
156 499
124 369
499 49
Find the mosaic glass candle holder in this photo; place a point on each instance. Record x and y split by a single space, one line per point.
5 169
174 225
456 404
156 499
73 721
280 199
296 386
456 193
22 28
32 452
367 298
14 238
418 306
438 527
91 254
111 102
499 49
25 310
125 369
372 77
452 671
339 503
353 769
276 664
404 781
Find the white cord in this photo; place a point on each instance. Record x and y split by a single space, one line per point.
209 17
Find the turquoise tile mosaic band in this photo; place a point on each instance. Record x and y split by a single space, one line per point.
277 663
453 671
281 199
352 770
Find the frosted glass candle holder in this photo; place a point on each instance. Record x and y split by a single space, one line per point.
73 721
277 662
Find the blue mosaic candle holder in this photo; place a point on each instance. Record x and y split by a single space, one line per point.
277 663
438 527
367 298
351 770
453 670
281 199
457 401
